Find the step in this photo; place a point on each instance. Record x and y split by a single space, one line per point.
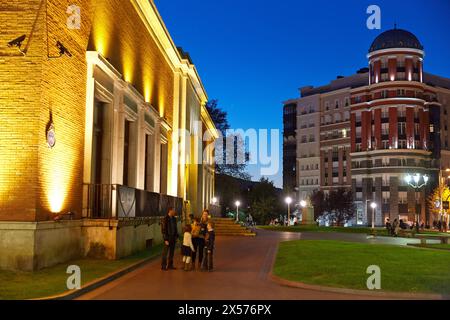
229 227
221 229
237 234
233 231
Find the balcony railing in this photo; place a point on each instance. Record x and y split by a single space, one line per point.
112 201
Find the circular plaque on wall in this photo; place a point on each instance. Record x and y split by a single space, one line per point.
51 136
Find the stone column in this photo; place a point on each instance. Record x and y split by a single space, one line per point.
174 140
140 148
183 136
157 157
393 198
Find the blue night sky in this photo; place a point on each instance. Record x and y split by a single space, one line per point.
254 54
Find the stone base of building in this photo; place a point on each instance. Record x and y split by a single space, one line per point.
31 246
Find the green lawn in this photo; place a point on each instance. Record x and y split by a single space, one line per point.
344 264
52 281
314 228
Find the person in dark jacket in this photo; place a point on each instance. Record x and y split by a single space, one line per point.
388 227
209 248
169 232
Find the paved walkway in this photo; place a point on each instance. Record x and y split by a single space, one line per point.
242 266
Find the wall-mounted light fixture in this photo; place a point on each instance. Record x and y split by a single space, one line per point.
18 43
62 51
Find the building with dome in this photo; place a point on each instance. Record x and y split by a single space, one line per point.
374 128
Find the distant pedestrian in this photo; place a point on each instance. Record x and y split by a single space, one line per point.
395 228
169 230
388 227
250 220
208 264
188 247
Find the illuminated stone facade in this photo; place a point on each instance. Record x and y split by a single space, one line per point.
118 105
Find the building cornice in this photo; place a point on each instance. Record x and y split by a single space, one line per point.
152 20
376 53
207 120
402 152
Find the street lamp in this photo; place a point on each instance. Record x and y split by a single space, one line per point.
417 181
214 200
303 203
237 203
373 205
289 201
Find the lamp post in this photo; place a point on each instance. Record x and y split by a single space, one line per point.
289 201
305 216
237 203
373 205
417 181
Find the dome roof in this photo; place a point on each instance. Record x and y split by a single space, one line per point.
395 38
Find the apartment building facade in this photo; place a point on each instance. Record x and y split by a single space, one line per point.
374 128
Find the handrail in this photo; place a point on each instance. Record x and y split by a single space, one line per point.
118 202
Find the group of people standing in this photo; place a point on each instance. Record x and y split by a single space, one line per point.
198 242
394 228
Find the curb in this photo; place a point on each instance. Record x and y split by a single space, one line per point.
97 283
385 295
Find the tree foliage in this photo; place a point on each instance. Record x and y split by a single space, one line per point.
231 157
440 191
337 206
317 199
264 202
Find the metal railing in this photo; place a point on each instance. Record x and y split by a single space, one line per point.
99 201
112 201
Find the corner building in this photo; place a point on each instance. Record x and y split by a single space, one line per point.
374 127
396 129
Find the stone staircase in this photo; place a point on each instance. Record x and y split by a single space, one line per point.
228 227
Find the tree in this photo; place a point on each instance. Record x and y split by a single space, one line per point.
228 190
264 202
435 198
339 206
317 199
218 116
231 158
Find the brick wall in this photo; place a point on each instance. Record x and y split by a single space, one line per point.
20 91
120 36
34 179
